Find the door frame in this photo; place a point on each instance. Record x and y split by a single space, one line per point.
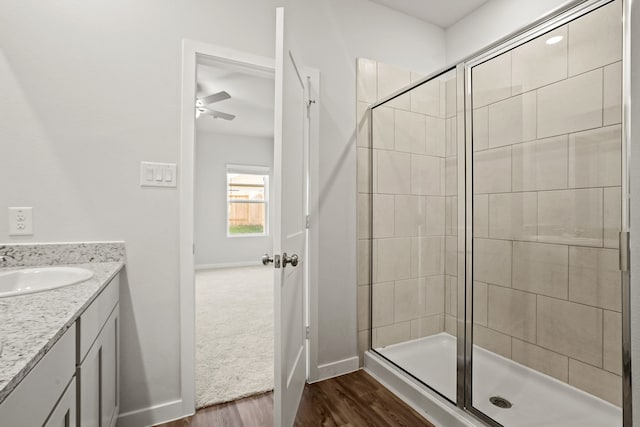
193 53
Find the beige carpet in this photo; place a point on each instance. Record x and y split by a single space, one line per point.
234 333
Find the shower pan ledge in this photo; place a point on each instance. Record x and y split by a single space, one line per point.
544 401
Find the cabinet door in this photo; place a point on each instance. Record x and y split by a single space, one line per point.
110 366
99 378
89 374
64 414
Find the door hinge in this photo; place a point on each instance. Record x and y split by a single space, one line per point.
306 333
193 248
308 222
310 101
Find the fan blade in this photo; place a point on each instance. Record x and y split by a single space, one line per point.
219 114
216 97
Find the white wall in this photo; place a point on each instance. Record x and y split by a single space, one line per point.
491 22
91 88
213 153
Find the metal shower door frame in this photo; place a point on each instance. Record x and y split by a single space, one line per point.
369 116
561 16
464 134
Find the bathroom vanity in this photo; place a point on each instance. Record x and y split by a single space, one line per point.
59 366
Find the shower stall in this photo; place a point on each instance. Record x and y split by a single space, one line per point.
495 235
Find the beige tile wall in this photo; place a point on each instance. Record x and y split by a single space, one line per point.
412 188
547 156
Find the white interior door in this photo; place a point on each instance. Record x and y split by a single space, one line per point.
289 226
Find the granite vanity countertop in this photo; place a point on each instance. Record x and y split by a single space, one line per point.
35 322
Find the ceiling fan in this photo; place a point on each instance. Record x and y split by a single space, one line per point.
203 103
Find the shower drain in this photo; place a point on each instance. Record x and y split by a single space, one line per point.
500 402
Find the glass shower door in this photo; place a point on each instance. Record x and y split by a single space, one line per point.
546 206
414 232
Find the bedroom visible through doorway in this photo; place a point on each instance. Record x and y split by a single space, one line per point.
233 291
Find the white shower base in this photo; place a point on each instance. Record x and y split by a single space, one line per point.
538 400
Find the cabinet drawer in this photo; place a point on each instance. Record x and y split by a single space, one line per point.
35 397
96 315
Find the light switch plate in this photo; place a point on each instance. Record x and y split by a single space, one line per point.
154 174
20 221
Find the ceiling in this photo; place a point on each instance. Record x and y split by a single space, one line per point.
252 100
443 13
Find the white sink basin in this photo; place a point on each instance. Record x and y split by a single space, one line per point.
31 280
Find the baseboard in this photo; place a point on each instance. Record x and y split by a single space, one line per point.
335 369
152 416
227 265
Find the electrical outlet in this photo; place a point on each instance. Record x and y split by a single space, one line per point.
20 221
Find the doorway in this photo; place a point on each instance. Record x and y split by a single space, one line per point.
233 291
195 54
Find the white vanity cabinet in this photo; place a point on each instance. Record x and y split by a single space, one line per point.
75 384
98 367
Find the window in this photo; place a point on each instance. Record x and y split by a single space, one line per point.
247 198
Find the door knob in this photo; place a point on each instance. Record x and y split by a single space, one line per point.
293 260
266 259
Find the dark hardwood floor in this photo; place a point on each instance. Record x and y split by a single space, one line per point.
353 400
252 411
